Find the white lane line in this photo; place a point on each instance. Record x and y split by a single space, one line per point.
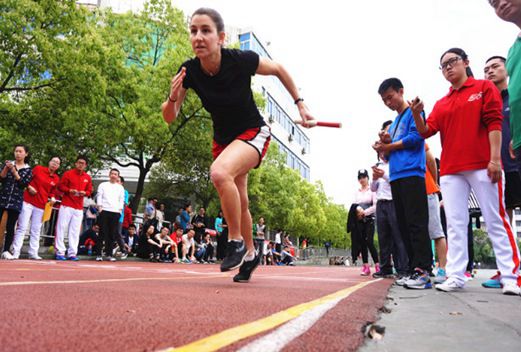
69 282
322 279
279 338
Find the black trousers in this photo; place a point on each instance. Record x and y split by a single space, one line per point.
367 240
412 213
390 239
108 222
222 241
12 217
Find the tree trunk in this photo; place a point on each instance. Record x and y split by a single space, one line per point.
143 171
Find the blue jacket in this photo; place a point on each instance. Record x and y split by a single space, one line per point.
409 161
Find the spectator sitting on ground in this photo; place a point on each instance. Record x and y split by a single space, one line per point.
277 256
149 247
88 240
188 246
177 237
131 240
268 256
209 248
168 247
286 257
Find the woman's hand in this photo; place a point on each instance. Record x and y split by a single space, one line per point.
32 191
305 115
176 84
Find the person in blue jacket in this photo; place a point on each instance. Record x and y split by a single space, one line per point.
405 150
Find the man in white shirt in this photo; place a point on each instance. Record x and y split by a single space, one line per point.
110 200
389 237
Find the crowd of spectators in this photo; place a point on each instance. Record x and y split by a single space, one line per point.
99 222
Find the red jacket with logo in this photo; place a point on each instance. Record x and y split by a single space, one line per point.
73 179
45 186
464 118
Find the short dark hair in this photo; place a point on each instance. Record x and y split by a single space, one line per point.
82 157
393 83
57 157
386 123
121 179
114 169
132 225
214 15
501 58
461 53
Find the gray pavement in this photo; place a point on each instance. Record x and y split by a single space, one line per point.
475 319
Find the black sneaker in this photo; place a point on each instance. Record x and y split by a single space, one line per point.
382 275
235 253
247 269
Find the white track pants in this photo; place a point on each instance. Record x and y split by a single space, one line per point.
69 220
456 189
30 215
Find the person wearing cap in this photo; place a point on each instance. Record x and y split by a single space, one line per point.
405 150
366 201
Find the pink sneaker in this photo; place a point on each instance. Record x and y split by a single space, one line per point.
366 270
376 267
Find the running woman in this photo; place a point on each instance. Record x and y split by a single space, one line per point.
222 80
469 121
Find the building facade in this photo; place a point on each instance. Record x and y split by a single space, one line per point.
280 110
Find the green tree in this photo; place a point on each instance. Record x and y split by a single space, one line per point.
51 77
150 45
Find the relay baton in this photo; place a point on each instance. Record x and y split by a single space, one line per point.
313 123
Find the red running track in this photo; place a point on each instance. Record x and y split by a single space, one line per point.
134 306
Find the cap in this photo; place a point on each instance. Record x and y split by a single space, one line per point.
363 173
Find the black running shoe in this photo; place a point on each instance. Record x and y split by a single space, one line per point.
382 275
247 269
235 253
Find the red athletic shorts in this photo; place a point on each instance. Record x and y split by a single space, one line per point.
258 137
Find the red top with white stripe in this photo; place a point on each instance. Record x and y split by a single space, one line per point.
464 118
45 185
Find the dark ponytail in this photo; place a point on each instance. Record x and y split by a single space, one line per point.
461 53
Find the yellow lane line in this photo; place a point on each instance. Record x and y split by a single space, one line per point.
235 334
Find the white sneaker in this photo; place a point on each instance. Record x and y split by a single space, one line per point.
511 288
401 281
7 256
99 259
35 257
450 285
112 259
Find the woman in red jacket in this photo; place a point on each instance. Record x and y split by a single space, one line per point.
469 120
41 190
